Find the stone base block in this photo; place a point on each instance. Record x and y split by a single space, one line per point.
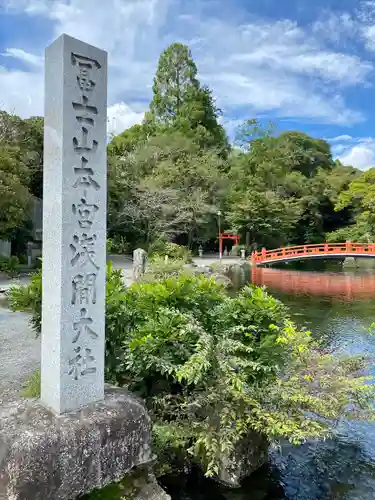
48 457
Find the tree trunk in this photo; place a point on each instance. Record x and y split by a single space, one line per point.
190 238
247 238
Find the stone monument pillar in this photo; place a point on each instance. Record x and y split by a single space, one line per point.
95 437
74 225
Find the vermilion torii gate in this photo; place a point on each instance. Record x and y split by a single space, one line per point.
226 236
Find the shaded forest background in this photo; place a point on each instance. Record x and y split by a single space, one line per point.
169 176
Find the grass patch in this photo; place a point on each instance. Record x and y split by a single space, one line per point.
126 489
32 386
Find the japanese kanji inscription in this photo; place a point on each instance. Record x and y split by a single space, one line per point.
74 225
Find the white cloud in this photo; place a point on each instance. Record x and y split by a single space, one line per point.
358 152
340 138
362 156
336 27
369 36
23 56
366 22
121 117
277 68
297 55
21 92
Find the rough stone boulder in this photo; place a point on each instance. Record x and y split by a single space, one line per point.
236 274
151 491
249 454
221 279
43 456
350 263
206 270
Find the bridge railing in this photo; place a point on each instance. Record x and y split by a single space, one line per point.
305 250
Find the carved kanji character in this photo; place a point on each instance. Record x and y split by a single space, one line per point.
84 288
85 175
85 65
82 146
83 248
82 326
85 61
79 364
85 111
85 213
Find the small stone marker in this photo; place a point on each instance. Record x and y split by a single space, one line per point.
74 225
139 263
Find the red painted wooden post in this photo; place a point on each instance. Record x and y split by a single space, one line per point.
326 247
220 245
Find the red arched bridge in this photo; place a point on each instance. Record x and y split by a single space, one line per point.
323 251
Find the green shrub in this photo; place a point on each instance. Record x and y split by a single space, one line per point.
118 245
213 367
158 268
9 265
157 247
29 298
172 250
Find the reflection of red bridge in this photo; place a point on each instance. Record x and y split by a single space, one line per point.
324 251
344 286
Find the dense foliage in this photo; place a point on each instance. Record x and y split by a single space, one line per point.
21 159
359 196
211 367
169 176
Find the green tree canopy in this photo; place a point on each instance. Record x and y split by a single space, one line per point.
174 83
359 197
181 103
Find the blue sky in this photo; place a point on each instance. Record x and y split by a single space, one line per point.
306 65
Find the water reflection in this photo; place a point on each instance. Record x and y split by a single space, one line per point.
346 286
338 308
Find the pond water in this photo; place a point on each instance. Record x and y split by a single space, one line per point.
338 307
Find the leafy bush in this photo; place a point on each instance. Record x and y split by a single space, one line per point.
172 250
158 268
29 298
118 245
212 367
9 264
157 247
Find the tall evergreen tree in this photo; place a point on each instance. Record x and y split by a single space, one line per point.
181 103
175 80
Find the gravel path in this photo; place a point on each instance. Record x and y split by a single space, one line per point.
19 349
